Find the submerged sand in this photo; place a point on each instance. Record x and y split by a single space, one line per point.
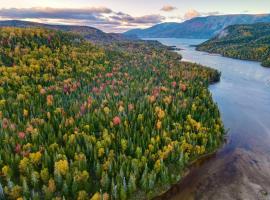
230 174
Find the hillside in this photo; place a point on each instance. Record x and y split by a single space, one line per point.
199 27
89 33
249 42
79 121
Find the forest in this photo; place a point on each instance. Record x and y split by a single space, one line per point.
86 121
247 42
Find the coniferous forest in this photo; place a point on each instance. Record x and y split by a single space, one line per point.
247 42
87 121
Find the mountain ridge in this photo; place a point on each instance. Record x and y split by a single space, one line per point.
90 33
199 27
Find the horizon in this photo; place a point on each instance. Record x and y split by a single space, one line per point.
86 25
123 15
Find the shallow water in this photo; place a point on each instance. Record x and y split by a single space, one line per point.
240 169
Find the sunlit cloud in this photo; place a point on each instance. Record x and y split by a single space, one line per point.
194 13
168 8
191 14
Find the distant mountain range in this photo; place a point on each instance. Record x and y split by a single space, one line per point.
199 27
249 42
89 33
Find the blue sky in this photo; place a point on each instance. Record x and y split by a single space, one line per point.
121 15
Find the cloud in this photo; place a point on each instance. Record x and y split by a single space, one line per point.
211 13
54 13
146 19
168 8
100 17
194 13
191 14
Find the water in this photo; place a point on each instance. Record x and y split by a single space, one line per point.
240 169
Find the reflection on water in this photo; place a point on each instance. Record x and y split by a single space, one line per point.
241 169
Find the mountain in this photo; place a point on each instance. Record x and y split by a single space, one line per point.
93 34
249 42
199 27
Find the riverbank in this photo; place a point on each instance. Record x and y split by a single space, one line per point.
224 54
168 191
164 190
240 170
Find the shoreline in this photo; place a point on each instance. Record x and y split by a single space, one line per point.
240 170
193 164
222 55
160 192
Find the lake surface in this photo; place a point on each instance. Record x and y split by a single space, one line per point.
240 169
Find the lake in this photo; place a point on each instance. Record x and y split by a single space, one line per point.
240 169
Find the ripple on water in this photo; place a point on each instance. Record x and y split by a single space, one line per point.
267 82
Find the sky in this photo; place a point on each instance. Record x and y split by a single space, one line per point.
122 15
